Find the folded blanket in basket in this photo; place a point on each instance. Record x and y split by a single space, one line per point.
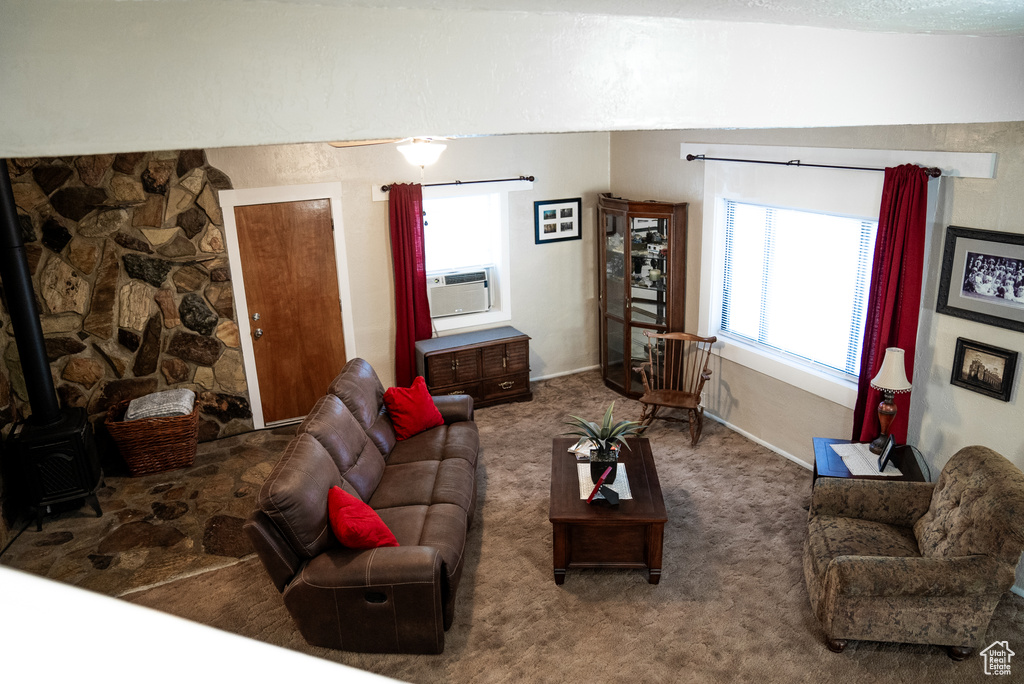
175 402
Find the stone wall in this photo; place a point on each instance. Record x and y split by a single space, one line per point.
132 280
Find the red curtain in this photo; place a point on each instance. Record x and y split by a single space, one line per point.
894 300
412 310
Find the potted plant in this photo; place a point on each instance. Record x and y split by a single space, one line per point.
605 439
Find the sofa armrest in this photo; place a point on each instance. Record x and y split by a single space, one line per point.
454 408
384 600
918 576
352 568
280 561
893 503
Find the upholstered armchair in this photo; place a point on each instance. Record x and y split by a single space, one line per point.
915 562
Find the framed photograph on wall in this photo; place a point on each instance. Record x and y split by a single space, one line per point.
557 220
983 368
983 277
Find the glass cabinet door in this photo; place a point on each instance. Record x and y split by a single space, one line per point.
648 258
616 353
616 356
615 264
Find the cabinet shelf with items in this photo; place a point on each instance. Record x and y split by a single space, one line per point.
643 245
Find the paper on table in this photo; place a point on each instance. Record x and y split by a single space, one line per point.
581 449
860 461
620 486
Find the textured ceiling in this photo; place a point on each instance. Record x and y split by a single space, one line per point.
966 17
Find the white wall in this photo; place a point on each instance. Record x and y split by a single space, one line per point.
554 291
99 76
946 418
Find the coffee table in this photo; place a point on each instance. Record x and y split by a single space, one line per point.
601 536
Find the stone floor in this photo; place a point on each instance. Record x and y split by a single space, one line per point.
155 527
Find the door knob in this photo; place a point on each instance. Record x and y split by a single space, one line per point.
257 333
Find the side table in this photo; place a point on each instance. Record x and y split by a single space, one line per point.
827 463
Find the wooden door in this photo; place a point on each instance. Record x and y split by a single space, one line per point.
294 308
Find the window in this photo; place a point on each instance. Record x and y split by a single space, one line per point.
850 192
796 283
462 232
467 228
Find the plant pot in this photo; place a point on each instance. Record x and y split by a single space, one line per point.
598 467
600 460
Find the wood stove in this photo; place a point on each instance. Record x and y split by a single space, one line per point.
58 462
55 449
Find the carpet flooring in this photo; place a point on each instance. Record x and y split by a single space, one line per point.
731 605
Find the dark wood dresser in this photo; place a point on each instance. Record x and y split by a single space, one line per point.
492 366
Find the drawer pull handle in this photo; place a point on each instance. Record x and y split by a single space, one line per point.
506 385
456 392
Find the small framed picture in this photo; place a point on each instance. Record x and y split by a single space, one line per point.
983 368
557 220
886 455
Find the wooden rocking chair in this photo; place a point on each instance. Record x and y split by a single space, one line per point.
674 376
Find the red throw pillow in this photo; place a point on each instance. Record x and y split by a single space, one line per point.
355 524
412 410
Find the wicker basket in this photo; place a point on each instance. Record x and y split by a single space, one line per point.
153 445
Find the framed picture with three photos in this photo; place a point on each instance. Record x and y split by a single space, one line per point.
557 220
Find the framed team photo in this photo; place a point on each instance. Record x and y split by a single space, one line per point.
983 277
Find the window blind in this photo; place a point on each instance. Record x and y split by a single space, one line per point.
796 282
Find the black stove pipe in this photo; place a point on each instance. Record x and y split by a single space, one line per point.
21 304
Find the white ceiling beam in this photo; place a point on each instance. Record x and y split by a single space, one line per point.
92 76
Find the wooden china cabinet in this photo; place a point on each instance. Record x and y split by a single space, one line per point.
643 283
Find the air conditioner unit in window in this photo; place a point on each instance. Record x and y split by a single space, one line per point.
458 292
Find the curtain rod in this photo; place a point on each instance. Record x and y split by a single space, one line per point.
385 188
932 171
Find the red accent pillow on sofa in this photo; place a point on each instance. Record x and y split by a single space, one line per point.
412 410
355 524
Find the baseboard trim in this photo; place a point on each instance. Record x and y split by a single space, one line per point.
758 440
568 372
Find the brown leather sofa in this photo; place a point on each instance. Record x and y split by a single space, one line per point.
390 599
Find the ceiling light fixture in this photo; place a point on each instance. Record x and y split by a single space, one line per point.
421 151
